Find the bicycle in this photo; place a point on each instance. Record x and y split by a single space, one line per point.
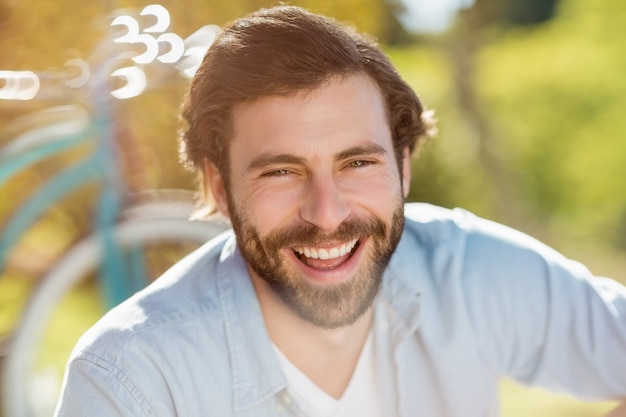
126 225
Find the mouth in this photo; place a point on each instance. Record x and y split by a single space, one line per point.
326 258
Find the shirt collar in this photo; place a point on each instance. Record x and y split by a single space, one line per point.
256 372
400 292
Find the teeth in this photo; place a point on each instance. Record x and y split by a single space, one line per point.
330 253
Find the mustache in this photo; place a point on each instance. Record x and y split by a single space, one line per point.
305 234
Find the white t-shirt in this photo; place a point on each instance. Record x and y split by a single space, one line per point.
361 398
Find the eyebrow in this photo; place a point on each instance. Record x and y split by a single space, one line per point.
267 159
361 150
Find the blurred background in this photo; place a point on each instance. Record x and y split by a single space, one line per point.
529 96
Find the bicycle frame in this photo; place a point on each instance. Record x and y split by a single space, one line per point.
93 124
100 166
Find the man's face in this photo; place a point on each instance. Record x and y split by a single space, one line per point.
315 197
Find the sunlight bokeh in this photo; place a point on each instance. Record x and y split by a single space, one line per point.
529 105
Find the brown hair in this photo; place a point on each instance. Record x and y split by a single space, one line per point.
281 51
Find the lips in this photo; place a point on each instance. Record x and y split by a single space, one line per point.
326 257
326 253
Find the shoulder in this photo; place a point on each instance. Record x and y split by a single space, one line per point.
184 297
165 341
428 227
456 246
437 226
430 221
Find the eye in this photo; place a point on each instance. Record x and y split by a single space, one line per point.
276 173
359 163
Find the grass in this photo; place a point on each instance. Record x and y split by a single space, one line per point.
13 293
79 310
520 401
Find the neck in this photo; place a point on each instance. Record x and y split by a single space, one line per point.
327 357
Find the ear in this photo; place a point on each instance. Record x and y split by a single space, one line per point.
214 183
406 171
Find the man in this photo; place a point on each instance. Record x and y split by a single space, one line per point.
333 298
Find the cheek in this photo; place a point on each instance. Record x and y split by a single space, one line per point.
268 208
378 190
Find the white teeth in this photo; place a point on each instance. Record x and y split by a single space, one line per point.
330 253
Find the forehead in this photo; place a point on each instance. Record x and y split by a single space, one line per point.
341 111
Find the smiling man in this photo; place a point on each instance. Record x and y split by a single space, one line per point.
332 297
317 197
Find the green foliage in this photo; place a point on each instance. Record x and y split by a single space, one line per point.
525 12
555 97
542 147
446 171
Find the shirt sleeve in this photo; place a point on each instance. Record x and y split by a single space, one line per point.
93 387
543 319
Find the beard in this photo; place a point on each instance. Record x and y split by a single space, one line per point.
328 306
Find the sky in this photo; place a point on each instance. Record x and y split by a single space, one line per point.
432 16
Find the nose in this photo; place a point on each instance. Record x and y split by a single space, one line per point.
325 205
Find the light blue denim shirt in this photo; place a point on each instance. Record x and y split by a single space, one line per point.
464 301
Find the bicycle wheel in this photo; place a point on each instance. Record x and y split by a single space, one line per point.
23 394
